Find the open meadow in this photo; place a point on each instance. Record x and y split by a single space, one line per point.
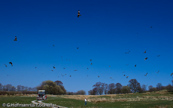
160 99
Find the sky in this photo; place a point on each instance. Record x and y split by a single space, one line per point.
49 33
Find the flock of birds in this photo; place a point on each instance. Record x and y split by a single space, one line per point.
15 39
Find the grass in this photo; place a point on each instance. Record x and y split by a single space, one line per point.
136 100
15 99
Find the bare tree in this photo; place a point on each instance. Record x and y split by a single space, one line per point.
19 88
134 85
159 86
1 87
106 88
13 88
151 88
111 88
118 88
100 87
169 88
144 88
9 87
93 91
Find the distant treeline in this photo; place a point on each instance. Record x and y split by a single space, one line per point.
57 88
80 92
133 87
10 87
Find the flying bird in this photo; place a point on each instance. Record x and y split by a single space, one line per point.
64 68
70 75
157 71
35 67
87 68
124 75
5 65
127 77
91 63
171 74
127 52
54 67
146 74
75 70
15 39
51 70
90 59
135 65
11 63
111 78
98 76
145 51
146 58
78 14
77 47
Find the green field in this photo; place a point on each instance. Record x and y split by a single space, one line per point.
142 100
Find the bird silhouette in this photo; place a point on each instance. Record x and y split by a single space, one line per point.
145 51
146 74
15 39
78 14
146 58
11 63
54 67
135 65
5 65
127 52
171 74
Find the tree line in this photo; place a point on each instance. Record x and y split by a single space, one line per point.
57 88
133 87
9 87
